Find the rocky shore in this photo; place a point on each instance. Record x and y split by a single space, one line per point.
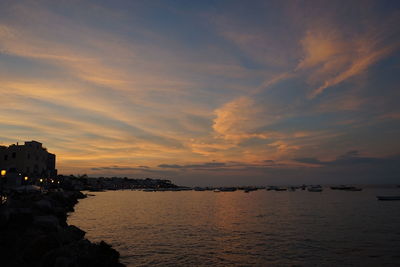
34 232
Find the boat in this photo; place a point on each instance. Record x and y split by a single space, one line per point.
388 197
353 188
346 188
280 189
149 190
315 188
217 190
341 187
199 189
228 189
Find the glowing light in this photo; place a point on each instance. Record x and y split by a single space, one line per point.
41 180
26 178
52 180
3 172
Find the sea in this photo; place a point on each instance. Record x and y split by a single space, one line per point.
260 228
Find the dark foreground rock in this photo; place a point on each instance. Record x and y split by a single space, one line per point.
34 232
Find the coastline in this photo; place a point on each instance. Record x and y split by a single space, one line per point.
34 232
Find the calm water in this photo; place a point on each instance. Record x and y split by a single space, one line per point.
262 228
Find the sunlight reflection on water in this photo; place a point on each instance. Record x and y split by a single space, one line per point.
263 228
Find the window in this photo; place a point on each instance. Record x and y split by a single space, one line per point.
14 155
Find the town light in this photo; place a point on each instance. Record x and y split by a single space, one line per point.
26 178
3 172
41 180
52 180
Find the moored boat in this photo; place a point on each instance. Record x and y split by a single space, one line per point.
341 187
346 188
388 197
280 189
315 188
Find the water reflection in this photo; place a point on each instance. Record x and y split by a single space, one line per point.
236 229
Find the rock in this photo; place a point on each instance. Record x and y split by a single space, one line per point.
75 232
47 222
4 217
34 232
40 246
44 205
20 217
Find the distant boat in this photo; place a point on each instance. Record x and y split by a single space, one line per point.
354 189
341 187
280 189
228 189
388 197
315 188
149 190
217 190
199 189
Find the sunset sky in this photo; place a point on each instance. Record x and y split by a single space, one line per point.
206 92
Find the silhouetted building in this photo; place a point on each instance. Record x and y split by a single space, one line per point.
30 159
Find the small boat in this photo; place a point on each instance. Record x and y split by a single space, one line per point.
149 190
352 188
217 190
280 189
388 197
228 189
340 187
315 188
199 189
346 188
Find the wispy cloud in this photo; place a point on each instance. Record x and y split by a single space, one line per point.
335 57
198 90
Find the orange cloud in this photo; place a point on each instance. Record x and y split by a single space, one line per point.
239 119
334 58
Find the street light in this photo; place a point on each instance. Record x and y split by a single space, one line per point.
3 174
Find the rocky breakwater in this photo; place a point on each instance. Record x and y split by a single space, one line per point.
34 232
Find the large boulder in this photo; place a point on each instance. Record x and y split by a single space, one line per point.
47 222
40 246
75 232
4 216
44 205
20 217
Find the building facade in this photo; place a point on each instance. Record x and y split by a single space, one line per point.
30 159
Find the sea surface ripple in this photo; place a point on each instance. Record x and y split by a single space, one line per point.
262 228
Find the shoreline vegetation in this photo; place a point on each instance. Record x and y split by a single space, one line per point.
34 232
